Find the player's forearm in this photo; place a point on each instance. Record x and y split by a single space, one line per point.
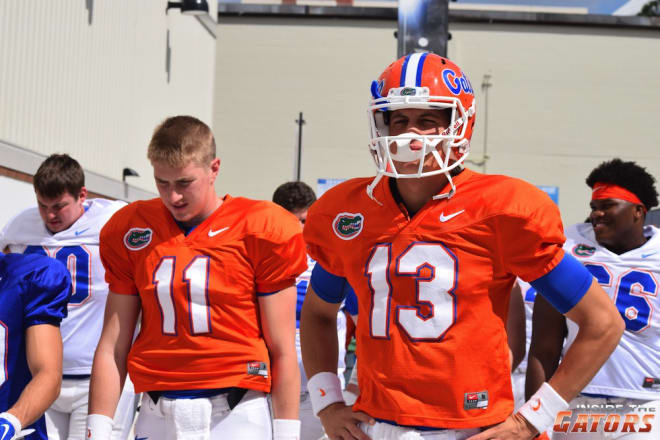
285 387
108 375
37 396
595 341
319 344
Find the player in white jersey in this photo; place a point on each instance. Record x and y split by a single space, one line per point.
527 293
297 197
624 257
65 225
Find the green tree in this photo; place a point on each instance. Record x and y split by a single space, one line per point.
650 9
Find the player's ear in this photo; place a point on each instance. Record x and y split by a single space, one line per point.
215 167
639 213
82 195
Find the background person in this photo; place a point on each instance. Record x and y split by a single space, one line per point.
65 225
624 256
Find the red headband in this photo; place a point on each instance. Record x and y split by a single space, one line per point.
611 191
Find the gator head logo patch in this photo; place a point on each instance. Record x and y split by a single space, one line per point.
348 225
137 238
583 250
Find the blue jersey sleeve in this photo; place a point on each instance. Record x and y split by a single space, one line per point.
565 285
329 287
48 290
351 303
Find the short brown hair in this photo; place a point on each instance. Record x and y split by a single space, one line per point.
294 196
59 174
179 140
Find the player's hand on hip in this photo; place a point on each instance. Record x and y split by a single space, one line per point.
341 422
515 427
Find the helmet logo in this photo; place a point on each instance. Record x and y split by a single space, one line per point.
408 91
348 225
457 83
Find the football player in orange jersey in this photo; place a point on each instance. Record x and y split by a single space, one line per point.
213 279
432 250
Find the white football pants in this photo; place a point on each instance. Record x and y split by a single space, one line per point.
622 406
385 431
66 419
204 418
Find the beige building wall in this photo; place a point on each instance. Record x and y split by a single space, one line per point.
93 78
562 99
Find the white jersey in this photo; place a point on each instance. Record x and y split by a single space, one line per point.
529 295
78 248
632 280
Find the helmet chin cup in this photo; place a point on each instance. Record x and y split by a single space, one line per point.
403 151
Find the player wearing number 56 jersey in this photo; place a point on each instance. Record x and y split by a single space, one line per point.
624 257
432 250
65 225
213 278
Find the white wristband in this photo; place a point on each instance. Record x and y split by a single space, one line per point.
324 389
99 427
542 408
14 422
286 429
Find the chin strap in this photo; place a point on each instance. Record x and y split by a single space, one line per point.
372 186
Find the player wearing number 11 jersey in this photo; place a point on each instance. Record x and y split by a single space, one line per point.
432 250
213 278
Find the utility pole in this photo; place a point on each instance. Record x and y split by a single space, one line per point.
300 121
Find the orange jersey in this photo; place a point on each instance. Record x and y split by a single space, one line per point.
433 291
200 324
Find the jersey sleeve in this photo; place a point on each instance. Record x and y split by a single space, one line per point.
277 249
117 264
48 292
530 234
317 227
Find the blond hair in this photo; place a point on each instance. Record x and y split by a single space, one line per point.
179 140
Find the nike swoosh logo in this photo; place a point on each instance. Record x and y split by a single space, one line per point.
6 430
81 232
648 255
213 233
537 406
444 218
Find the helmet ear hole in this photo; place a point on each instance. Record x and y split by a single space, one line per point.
382 120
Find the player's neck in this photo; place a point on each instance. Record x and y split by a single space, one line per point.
415 193
627 241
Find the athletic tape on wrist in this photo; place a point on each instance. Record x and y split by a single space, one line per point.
13 420
324 389
99 427
286 429
542 408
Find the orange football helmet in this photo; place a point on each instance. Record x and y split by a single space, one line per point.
424 81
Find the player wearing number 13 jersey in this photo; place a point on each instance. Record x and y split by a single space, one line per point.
432 250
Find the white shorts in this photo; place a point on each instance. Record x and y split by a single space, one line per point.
66 419
205 418
385 431
613 408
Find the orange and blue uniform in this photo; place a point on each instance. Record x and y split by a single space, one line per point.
433 291
200 325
